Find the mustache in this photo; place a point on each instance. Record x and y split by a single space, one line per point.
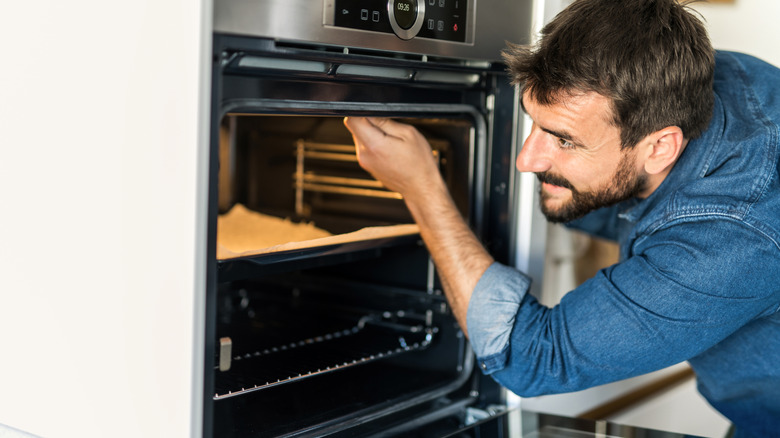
553 179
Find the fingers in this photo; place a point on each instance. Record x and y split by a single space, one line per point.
368 130
367 136
383 125
394 153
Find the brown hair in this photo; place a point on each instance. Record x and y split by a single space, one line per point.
652 58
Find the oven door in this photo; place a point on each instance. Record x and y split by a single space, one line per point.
344 333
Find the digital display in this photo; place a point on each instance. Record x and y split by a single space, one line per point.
405 13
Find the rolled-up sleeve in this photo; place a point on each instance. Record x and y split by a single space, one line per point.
491 314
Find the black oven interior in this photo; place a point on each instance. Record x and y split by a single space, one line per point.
305 168
324 339
343 333
325 348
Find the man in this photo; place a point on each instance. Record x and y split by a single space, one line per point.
641 134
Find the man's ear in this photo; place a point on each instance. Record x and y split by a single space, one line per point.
662 149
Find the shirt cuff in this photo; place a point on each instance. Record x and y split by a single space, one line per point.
491 314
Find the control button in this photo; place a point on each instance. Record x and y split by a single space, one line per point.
431 2
430 23
441 3
440 26
375 17
364 14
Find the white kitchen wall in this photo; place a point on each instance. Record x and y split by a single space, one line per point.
748 26
102 129
679 409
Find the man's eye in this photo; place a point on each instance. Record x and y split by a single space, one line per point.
565 144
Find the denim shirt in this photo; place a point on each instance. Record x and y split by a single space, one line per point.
698 280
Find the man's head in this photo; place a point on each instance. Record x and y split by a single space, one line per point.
646 65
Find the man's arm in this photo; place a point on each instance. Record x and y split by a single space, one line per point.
399 156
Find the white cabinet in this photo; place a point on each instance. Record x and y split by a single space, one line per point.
103 123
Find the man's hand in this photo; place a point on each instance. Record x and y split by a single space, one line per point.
400 157
395 154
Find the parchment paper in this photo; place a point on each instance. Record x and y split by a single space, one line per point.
242 232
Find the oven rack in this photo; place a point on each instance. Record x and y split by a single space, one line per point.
305 180
312 181
375 337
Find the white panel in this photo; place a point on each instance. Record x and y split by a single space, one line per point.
748 26
681 409
577 403
103 130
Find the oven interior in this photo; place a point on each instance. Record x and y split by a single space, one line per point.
305 168
330 335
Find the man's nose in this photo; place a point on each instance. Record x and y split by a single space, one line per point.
533 157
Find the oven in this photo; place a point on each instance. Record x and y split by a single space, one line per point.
325 316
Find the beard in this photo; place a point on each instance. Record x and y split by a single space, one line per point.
625 184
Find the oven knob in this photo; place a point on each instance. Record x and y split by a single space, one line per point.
406 17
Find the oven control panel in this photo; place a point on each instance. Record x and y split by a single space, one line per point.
433 19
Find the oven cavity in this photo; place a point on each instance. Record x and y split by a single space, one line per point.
287 183
323 282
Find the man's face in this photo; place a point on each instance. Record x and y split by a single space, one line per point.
574 150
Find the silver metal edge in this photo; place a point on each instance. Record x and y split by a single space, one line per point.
200 258
489 25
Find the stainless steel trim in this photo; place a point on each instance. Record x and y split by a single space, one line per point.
490 23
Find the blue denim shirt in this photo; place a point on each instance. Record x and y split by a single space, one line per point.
698 280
